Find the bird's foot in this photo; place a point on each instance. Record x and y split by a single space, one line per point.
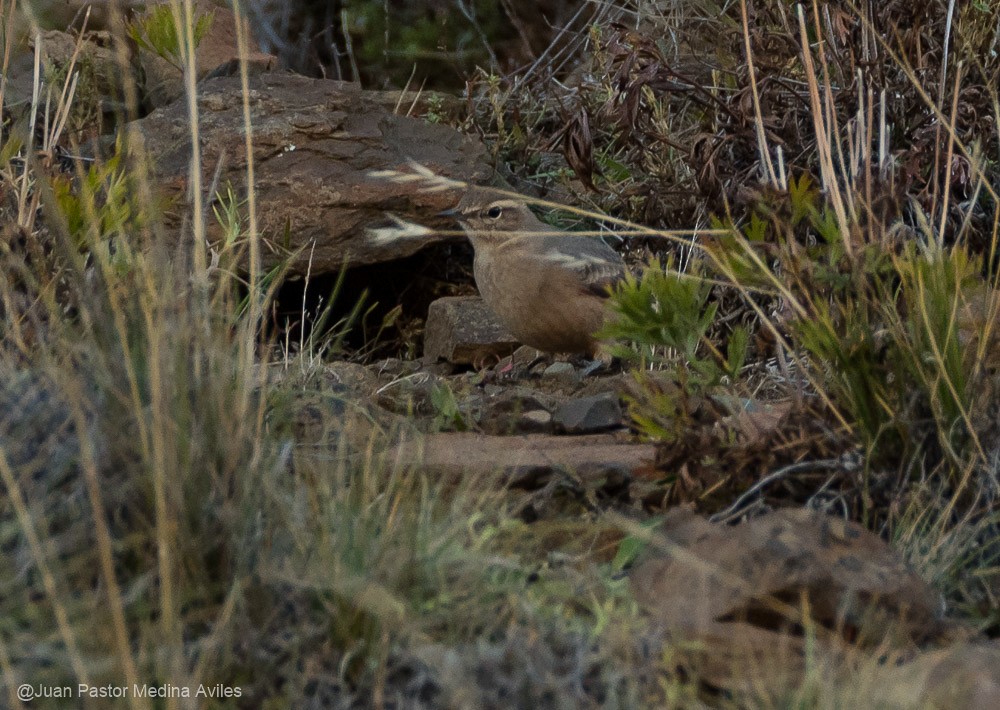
603 363
592 367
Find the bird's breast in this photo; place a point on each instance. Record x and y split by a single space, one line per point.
542 307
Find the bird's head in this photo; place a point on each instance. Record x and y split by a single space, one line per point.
485 214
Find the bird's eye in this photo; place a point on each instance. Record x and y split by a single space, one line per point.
494 212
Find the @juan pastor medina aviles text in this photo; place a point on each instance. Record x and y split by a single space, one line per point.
82 690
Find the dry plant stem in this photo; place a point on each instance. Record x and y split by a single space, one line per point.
254 326
949 154
869 137
25 217
765 155
438 183
975 166
942 370
349 45
133 142
166 523
16 497
945 51
832 121
184 20
406 87
254 232
824 139
963 228
843 463
7 20
68 91
936 169
883 134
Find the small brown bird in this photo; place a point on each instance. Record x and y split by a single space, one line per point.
549 290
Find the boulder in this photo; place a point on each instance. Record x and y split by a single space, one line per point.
217 52
320 151
734 593
158 80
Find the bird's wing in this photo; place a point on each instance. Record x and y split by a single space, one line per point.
597 266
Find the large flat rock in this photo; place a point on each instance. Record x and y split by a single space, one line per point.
528 459
316 143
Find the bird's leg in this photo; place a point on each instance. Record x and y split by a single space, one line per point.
489 372
602 361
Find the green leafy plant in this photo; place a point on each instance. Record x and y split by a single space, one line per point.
156 31
882 328
661 324
101 209
663 317
447 414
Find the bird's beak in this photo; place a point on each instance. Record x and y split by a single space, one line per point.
453 213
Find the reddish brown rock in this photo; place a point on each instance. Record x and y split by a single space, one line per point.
217 52
463 330
836 562
529 460
747 591
966 675
317 144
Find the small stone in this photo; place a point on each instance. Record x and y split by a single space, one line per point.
536 422
562 373
588 415
509 409
394 367
463 330
525 355
411 395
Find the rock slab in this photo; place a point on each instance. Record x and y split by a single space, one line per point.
528 460
321 149
463 330
739 592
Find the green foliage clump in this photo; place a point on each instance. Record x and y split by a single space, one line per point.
661 321
157 32
99 202
438 45
886 327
